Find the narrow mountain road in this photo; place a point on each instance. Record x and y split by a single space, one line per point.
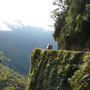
67 51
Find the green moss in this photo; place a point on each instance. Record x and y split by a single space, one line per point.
81 78
61 69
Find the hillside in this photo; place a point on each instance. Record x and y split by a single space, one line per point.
10 80
59 70
19 43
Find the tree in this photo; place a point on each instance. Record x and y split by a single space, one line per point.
2 57
72 20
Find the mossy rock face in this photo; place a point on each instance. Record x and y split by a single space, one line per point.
59 70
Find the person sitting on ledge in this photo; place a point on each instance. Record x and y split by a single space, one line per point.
49 46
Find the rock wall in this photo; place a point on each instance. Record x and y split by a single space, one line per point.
59 70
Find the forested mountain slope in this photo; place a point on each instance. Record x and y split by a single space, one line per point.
10 80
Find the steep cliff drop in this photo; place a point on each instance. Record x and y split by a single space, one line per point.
59 70
69 67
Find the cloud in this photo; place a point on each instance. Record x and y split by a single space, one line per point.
30 12
4 27
7 26
18 25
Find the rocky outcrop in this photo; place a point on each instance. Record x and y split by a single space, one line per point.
59 70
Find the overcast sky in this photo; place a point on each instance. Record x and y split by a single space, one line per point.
29 12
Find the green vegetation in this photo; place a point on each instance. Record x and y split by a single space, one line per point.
2 57
65 69
72 20
81 78
10 80
59 70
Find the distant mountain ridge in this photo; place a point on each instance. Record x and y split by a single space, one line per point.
18 45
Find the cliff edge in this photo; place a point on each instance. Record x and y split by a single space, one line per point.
69 67
59 70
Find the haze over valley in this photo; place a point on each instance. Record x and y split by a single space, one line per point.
19 43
